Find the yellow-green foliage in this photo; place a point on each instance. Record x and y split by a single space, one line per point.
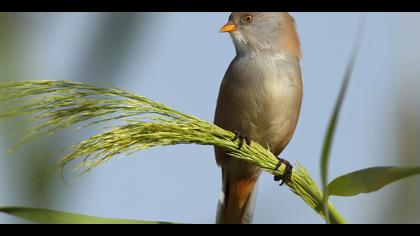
136 123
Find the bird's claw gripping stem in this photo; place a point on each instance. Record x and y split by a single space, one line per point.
286 177
241 139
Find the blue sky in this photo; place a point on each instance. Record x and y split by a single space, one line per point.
181 63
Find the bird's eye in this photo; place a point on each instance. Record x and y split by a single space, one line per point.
248 18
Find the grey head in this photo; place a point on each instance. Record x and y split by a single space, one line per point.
263 31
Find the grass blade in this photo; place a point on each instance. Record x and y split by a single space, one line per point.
369 180
44 216
329 137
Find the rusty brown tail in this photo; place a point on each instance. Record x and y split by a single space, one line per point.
237 201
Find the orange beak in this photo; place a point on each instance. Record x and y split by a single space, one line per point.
229 27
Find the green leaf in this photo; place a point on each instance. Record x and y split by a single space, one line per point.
329 136
325 154
369 180
45 216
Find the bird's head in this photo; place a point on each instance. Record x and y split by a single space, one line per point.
261 31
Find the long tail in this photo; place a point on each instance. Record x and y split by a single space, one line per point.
237 201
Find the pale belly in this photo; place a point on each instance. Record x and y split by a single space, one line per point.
264 109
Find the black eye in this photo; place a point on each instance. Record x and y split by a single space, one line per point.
248 18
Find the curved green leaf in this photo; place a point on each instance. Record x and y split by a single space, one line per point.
329 136
45 216
369 180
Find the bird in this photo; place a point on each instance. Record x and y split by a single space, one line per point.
259 100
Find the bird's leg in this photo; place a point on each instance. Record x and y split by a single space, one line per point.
241 139
248 141
287 176
237 135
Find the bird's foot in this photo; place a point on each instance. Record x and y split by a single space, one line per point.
241 139
287 176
